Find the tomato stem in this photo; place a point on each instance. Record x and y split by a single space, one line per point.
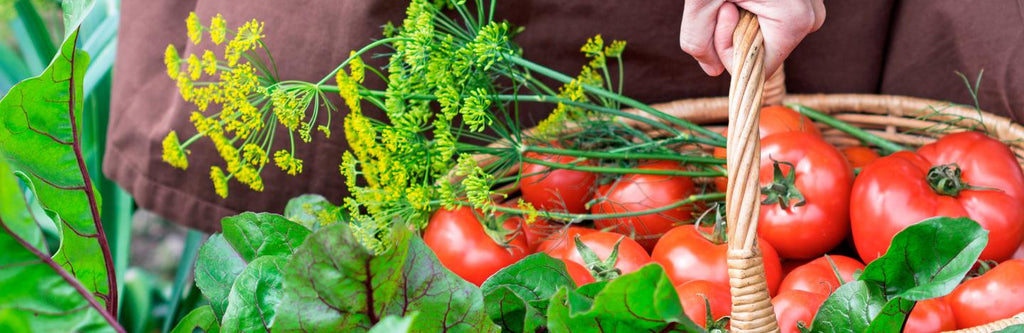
887 147
783 188
601 270
946 179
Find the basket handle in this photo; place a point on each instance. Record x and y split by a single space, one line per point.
751 303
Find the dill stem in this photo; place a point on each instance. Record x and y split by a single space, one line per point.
360 52
887 147
566 216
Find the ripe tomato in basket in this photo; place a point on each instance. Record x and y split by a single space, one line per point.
962 174
640 192
860 156
631 256
996 294
818 276
931 315
557 190
795 306
561 237
688 255
774 119
806 195
693 295
463 245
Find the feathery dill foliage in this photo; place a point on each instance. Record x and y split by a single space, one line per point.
406 161
249 102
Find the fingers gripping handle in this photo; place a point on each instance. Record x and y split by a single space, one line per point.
752 308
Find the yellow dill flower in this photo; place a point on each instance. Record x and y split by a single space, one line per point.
615 49
195 29
357 67
474 110
220 181
195 67
173 61
254 155
348 169
594 48
531 212
304 131
248 36
218 29
288 108
326 130
248 176
418 196
349 90
173 153
287 162
185 88
209 63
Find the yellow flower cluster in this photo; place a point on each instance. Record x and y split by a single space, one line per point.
247 100
174 154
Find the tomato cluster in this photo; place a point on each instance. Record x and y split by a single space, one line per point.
816 219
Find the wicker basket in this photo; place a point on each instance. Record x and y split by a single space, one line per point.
906 120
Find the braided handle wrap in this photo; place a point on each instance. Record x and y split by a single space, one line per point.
751 304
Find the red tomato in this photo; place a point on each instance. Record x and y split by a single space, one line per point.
461 244
558 190
893 193
687 255
817 276
789 265
557 240
579 274
692 294
638 192
793 306
774 119
860 156
928 316
998 294
632 256
823 177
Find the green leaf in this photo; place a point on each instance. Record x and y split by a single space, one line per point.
445 301
40 129
394 324
644 300
256 235
254 297
334 284
312 211
74 12
850 308
893 316
916 269
246 237
202 318
216 270
516 296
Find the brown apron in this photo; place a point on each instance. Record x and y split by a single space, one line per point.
910 47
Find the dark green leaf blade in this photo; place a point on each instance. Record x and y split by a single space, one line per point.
916 268
334 284
255 235
850 308
644 300
201 318
893 316
246 237
445 301
40 122
252 304
216 270
509 293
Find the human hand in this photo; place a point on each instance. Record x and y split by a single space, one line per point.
708 25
